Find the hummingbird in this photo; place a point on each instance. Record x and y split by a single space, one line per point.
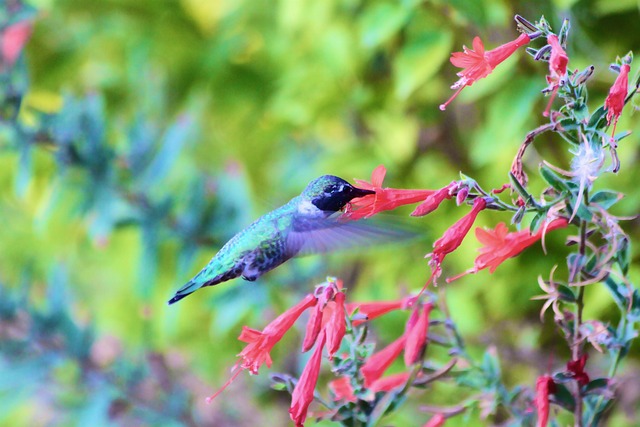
308 223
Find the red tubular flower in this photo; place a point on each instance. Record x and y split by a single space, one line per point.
378 308
499 245
432 202
390 382
336 326
617 94
478 64
342 389
302 395
372 309
260 343
385 198
544 387
12 41
576 367
454 236
558 61
417 336
437 420
373 368
313 328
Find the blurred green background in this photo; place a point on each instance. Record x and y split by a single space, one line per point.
151 131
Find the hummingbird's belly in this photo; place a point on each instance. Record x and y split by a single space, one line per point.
267 256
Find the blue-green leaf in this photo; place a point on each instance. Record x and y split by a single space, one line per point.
606 198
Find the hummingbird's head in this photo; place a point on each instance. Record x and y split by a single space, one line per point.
330 193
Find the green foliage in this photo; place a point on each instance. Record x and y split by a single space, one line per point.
137 137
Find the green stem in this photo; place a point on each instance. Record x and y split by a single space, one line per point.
612 370
577 323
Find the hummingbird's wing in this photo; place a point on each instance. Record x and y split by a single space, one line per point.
326 235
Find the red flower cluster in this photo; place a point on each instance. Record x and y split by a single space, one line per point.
500 245
384 199
617 95
478 63
328 315
326 328
557 69
413 342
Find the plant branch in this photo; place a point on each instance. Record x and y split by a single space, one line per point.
577 324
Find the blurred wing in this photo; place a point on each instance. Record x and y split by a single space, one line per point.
327 235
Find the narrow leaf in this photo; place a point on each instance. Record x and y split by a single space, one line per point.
596 121
606 198
554 180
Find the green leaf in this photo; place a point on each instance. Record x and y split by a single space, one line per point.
591 263
514 394
392 398
617 291
419 60
562 377
491 365
602 406
606 198
566 294
597 120
628 335
553 179
168 151
508 116
563 397
23 177
537 221
518 187
634 314
381 21
621 135
581 113
576 261
475 11
623 255
602 8
572 137
582 212
596 386
569 124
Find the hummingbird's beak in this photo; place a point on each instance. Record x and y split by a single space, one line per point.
361 192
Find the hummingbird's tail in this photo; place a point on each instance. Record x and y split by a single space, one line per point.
203 279
187 289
